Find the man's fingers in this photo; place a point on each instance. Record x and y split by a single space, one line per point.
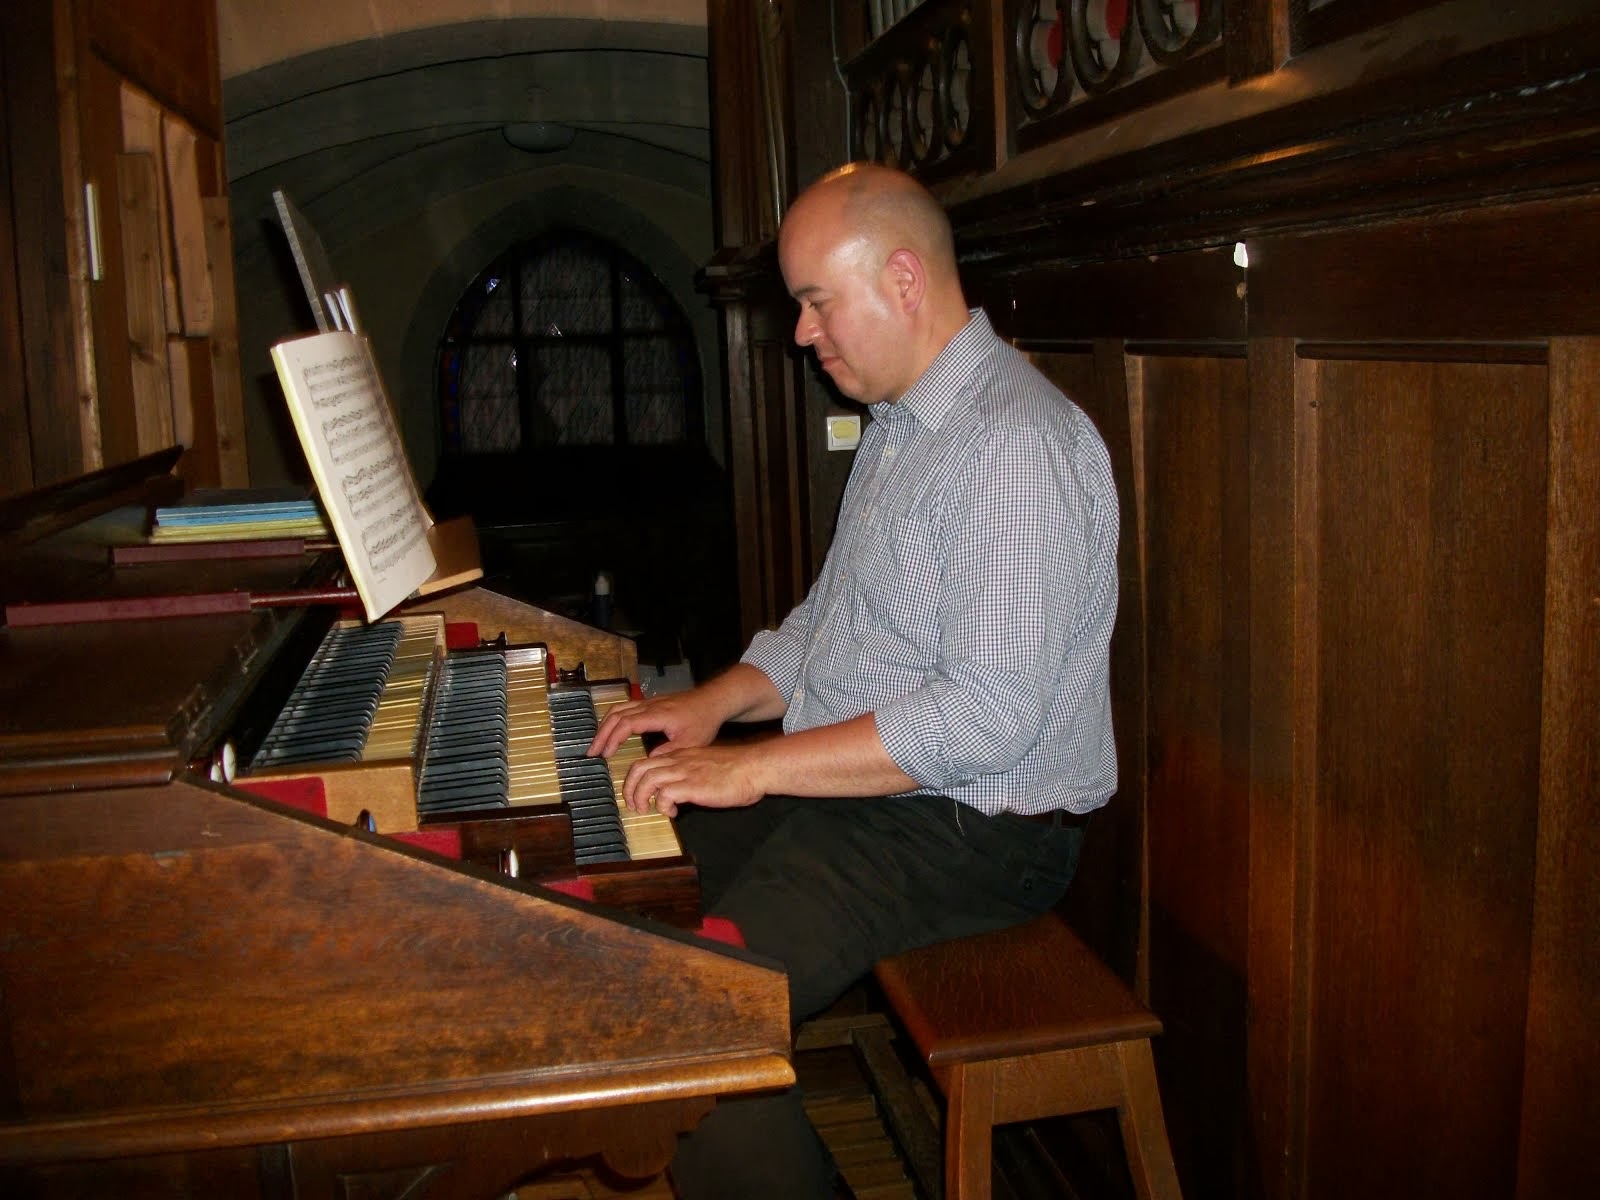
614 730
602 735
662 803
644 781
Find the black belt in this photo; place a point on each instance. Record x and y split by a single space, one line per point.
1056 818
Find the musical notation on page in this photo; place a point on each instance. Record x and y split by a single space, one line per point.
358 461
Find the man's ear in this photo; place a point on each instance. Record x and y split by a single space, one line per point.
907 278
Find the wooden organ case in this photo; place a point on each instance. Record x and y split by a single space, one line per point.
206 992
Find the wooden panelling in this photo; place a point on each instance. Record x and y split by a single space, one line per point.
769 475
1176 428
1470 275
227 386
1317 22
116 176
1282 678
744 211
139 212
1194 296
1256 33
1195 529
1428 634
782 449
142 134
1107 902
173 54
237 1172
16 460
194 409
113 431
743 468
185 200
819 113
1196 536
1560 1102
46 382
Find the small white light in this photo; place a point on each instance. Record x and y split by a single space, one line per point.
1241 256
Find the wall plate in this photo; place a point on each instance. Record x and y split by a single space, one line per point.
844 432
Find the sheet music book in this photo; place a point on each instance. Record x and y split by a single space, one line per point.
332 306
359 463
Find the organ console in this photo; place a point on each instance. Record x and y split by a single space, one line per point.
208 991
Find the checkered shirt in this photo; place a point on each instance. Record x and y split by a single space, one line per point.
970 590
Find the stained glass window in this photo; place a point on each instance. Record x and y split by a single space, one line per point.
567 341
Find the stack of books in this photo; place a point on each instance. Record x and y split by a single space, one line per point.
233 517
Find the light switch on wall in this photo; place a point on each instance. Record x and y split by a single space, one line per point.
844 432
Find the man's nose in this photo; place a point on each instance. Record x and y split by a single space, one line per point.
805 329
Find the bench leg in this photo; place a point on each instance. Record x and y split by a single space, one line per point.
1144 1130
969 1131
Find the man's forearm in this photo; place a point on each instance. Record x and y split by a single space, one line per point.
744 693
847 759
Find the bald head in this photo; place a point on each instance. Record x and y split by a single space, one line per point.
868 243
888 207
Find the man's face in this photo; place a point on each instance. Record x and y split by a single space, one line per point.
848 314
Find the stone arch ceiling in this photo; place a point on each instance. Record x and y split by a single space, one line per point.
367 113
384 120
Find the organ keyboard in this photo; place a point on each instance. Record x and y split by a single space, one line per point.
479 741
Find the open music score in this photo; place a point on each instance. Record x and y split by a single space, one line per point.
348 433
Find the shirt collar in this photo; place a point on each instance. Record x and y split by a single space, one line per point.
942 388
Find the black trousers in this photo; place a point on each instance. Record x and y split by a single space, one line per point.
828 887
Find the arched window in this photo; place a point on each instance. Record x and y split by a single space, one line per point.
567 341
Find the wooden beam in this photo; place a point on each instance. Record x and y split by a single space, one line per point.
139 186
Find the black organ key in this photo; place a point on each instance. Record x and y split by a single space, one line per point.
586 788
572 721
330 710
465 763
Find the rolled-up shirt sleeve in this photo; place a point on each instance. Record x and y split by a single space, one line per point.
780 653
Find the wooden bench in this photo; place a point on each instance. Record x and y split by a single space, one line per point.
1019 1025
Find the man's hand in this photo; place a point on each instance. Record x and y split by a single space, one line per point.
684 718
721 776
692 718
847 759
